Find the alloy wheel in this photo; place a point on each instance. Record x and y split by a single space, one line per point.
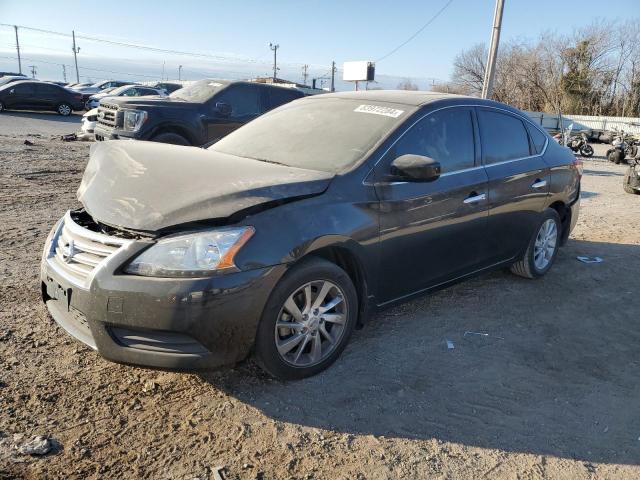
64 109
546 244
311 323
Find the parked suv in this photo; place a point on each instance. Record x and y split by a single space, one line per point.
35 95
288 232
198 114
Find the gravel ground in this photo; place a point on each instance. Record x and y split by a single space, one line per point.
551 392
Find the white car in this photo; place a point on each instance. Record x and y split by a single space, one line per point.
125 91
89 121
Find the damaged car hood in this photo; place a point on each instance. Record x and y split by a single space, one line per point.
149 186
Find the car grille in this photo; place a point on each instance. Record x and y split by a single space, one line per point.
108 114
75 252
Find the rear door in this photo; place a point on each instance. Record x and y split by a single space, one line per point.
47 96
436 231
245 104
518 181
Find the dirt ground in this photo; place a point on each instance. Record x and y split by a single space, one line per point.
552 392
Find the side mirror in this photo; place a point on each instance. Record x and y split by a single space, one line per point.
223 108
415 168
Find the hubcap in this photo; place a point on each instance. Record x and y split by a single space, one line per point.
311 323
545 245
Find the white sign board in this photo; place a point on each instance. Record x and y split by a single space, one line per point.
358 71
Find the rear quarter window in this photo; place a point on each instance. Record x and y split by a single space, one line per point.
503 136
538 138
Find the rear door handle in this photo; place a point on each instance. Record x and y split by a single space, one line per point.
474 198
538 184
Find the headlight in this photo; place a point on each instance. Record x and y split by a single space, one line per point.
192 255
133 120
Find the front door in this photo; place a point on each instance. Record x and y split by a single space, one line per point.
518 181
436 231
21 96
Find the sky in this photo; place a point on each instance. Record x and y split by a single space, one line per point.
237 33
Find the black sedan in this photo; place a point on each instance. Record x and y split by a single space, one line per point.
35 95
286 234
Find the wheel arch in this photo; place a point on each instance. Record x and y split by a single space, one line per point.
173 128
564 212
344 254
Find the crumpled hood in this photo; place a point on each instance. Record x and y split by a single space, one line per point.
149 186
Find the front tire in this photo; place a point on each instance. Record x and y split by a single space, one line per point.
586 151
2 107
64 109
307 321
542 249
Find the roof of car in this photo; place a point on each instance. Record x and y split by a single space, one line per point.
405 97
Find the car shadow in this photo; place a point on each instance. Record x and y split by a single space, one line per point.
75 117
585 194
548 367
599 173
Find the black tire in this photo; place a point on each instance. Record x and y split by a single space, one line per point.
626 183
586 150
308 270
172 138
526 267
2 107
616 156
64 109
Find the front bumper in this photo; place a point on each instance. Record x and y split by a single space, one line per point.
103 132
156 322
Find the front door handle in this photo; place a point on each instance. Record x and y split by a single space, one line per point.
475 198
538 184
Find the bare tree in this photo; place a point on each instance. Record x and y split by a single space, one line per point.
407 84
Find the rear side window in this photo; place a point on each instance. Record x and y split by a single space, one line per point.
538 138
446 136
280 96
47 89
503 136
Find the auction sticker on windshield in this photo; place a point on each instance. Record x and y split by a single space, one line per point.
377 110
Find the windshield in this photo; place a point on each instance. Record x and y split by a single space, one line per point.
328 134
199 92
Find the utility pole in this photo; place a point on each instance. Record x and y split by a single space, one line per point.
305 68
162 76
18 49
333 76
33 71
64 73
76 50
487 85
179 72
274 48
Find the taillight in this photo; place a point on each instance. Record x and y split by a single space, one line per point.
578 165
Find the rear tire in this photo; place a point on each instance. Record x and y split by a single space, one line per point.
172 138
64 109
288 353
531 264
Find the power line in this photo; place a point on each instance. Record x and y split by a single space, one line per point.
144 47
431 20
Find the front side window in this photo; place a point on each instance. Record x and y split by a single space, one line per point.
24 89
503 137
243 100
445 135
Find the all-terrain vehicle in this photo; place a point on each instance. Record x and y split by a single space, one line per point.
631 181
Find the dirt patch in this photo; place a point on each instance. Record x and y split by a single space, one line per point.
551 392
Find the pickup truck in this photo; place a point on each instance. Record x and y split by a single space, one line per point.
197 115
